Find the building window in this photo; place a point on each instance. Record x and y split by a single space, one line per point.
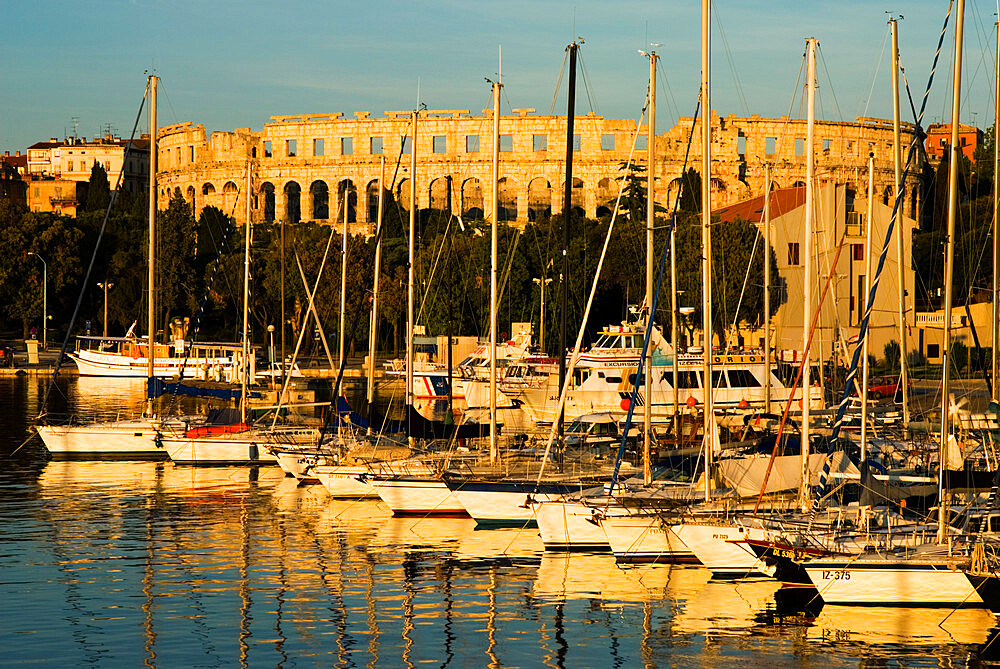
406 143
472 143
506 143
858 251
741 145
539 142
607 142
800 146
770 145
191 153
267 149
319 146
640 142
107 166
346 146
439 144
827 143
850 146
933 350
291 148
576 142
69 166
793 253
375 146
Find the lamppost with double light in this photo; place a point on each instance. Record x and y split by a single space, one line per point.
105 285
45 300
541 316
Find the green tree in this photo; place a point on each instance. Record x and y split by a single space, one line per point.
691 191
98 190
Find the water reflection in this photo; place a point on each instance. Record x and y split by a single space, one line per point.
140 563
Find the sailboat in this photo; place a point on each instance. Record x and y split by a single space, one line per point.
227 437
933 573
120 439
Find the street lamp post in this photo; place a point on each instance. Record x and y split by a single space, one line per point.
270 351
45 300
541 316
105 285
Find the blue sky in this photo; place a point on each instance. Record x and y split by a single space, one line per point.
234 64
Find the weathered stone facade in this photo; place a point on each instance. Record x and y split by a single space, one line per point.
303 165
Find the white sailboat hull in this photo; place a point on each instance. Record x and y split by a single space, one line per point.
567 526
408 495
718 546
125 440
644 538
914 582
348 481
248 447
495 507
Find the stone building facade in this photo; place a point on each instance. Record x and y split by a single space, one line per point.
312 166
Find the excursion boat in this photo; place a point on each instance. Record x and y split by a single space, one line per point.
604 376
128 356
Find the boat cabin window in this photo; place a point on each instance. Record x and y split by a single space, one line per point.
631 379
613 379
719 379
604 341
580 375
685 379
743 378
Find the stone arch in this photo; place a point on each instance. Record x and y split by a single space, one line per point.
293 208
207 188
887 195
539 199
472 199
267 191
576 197
371 197
507 200
606 195
230 194
319 194
799 184
439 194
347 196
718 185
190 195
403 194
673 190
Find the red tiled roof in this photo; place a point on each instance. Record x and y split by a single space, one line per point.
782 202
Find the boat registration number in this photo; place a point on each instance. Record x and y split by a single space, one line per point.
836 575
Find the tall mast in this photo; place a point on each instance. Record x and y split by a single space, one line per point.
409 270
373 331
647 471
868 287
807 267
706 237
345 199
493 270
949 261
767 288
996 222
151 315
244 376
897 152
567 215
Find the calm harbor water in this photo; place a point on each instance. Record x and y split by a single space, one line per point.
125 564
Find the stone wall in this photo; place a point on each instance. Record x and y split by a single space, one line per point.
304 167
